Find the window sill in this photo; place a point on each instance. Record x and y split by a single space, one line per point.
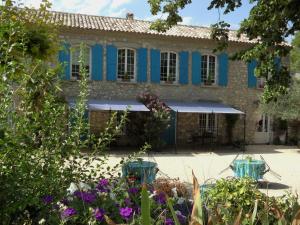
175 83
210 86
126 82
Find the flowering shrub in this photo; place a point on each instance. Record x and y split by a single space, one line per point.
112 200
148 126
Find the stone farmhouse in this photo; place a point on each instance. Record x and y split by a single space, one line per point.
126 58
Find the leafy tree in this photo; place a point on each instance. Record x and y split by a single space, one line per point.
287 107
295 54
40 148
269 23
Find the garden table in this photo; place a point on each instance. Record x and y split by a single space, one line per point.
249 168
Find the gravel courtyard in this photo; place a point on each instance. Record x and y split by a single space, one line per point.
283 160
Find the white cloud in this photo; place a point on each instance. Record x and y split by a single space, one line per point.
187 20
120 13
92 7
118 3
152 18
32 3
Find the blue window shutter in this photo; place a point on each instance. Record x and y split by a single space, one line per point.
196 68
155 66
223 69
142 58
252 81
277 62
183 67
97 62
111 63
64 59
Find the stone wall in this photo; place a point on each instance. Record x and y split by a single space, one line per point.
98 121
236 94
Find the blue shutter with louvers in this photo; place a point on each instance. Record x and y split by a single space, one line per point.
277 62
64 59
111 63
252 81
223 69
196 68
97 62
142 65
183 67
155 66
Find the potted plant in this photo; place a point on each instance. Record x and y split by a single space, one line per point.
126 77
169 80
209 80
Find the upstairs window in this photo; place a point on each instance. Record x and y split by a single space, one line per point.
126 64
75 67
208 69
168 67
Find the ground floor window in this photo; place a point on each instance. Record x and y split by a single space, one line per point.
207 123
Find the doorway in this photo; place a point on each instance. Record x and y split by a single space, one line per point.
263 131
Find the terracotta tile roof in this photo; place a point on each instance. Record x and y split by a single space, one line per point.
81 21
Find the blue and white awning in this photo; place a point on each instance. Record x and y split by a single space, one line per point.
114 105
202 107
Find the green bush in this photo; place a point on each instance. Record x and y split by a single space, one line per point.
230 197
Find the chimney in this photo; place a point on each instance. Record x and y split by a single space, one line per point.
130 16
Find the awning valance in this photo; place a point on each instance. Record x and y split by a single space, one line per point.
115 105
202 107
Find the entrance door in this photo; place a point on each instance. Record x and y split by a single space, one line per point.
169 134
263 133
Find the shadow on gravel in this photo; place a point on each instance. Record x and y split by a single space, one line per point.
272 185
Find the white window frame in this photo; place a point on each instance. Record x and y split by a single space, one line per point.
135 59
206 129
168 67
207 72
73 49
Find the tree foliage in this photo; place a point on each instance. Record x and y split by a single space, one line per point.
269 23
40 147
295 54
287 107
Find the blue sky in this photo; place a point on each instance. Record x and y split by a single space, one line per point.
194 14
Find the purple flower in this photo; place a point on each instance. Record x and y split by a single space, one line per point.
65 201
68 212
99 214
87 197
127 202
137 210
47 199
102 186
126 212
133 190
160 198
169 221
181 218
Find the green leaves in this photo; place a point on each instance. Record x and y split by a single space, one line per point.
229 5
169 8
145 206
170 205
